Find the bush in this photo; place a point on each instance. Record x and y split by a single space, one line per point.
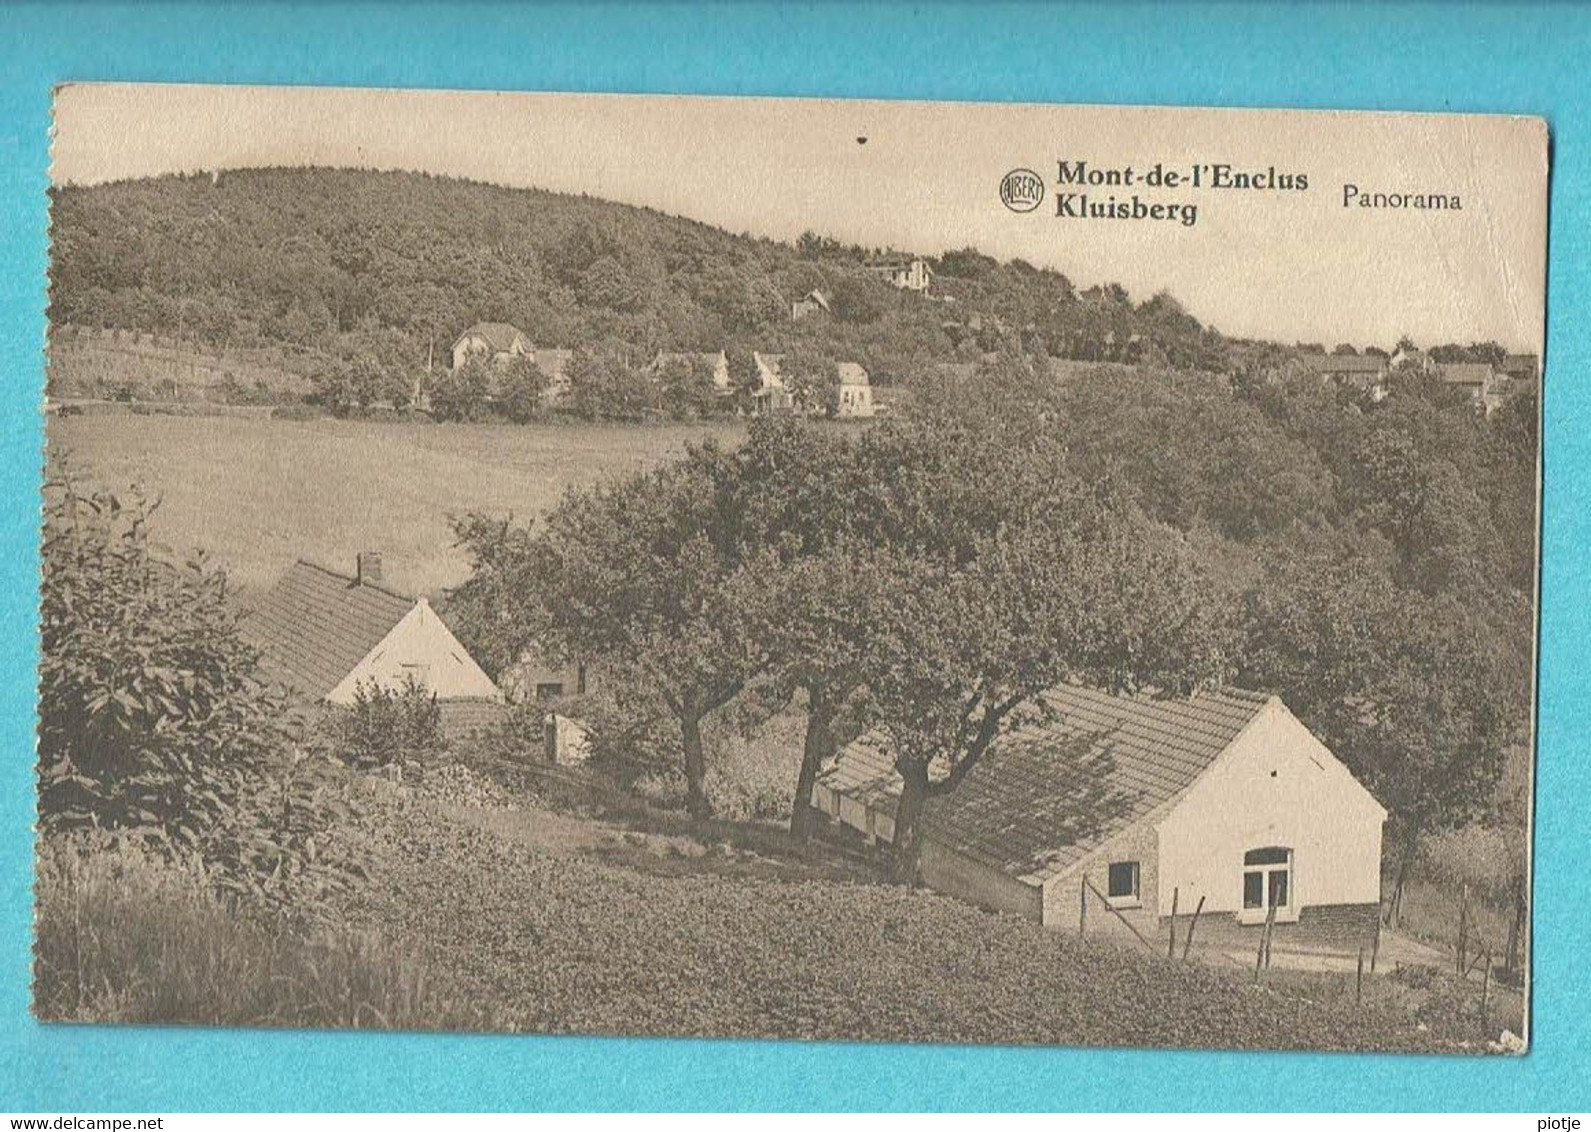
384 723
461 394
125 936
152 717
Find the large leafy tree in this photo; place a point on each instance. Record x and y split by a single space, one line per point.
1010 574
803 487
1419 694
649 578
1108 600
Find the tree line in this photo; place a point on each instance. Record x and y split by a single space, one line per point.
328 266
926 580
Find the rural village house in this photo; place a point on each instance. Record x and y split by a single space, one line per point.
810 303
774 396
1132 805
493 341
1362 371
909 274
1488 386
322 634
856 391
717 363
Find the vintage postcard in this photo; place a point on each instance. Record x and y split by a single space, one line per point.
793 569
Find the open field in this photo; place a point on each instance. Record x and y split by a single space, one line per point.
559 931
258 494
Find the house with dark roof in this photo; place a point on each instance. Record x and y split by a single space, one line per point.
1478 379
491 341
813 302
1362 371
322 634
1523 368
1115 810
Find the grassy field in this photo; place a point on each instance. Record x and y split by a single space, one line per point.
257 494
580 925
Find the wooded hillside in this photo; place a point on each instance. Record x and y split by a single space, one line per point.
344 262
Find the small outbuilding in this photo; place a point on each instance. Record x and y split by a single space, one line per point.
1132 805
322 634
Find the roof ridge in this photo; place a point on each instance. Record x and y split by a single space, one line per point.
354 579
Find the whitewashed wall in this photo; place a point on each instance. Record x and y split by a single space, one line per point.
420 644
1276 785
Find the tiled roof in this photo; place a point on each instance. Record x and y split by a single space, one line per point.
1345 363
1466 373
316 624
1047 795
498 335
851 373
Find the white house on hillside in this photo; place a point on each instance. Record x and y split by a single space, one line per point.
856 391
322 634
491 341
1131 806
907 273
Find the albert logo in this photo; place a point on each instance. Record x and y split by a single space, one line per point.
1022 190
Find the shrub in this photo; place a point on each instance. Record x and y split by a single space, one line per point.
383 723
461 394
151 714
125 936
524 388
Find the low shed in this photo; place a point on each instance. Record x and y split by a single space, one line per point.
1134 802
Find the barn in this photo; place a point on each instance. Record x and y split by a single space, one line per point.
322 633
1129 806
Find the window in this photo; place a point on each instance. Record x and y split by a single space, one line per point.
1267 883
1121 884
549 691
420 672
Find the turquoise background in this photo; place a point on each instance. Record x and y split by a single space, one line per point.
1496 58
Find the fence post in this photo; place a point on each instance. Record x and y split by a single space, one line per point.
1265 940
1171 947
1486 983
1082 907
1463 932
1187 944
1359 980
1375 946
1259 958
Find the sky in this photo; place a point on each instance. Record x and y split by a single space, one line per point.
1287 265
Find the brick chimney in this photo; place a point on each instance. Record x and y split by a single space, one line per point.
368 567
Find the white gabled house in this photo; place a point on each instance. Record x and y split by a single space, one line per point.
322 634
1132 804
495 342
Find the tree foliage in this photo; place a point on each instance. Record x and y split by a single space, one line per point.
152 717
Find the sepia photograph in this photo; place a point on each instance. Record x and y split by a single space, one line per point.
797 569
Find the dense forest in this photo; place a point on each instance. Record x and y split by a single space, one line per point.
334 264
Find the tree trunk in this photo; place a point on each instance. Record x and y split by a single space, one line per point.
908 818
817 747
695 766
